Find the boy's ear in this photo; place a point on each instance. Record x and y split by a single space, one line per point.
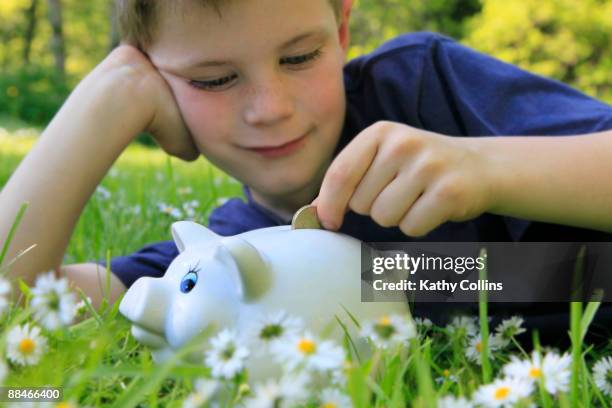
343 30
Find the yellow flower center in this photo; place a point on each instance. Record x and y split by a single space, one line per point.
478 347
502 393
384 321
446 373
27 346
307 346
328 405
64 405
535 372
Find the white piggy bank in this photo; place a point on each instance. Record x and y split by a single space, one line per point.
215 280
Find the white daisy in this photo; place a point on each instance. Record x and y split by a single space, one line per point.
333 398
25 345
3 371
5 290
225 357
556 371
446 375
5 287
264 329
503 392
103 193
388 331
602 374
82 307
423 323
454 402
526 369
53 304
189 208
463 326
509 328
184 190
308 352
474 348
169 210
203 391
287 392
206 387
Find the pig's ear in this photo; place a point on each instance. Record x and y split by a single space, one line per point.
187 233
254 271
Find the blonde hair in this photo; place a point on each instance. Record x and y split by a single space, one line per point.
137 18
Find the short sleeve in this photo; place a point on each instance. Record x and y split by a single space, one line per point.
152 260
487 97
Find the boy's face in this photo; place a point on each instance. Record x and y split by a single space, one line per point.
260 87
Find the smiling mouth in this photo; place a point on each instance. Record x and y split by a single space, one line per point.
281 150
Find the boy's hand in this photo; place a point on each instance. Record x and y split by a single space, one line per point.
406 177
153 98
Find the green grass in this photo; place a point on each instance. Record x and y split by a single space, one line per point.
98 363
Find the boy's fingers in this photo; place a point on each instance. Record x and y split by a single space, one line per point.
342 178
394 202
382 171
426 214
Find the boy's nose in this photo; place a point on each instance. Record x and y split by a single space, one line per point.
266 105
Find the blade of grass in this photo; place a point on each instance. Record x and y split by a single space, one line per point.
348 337
11 233
484 322
576 332
589 313
7 267
423 373
575 318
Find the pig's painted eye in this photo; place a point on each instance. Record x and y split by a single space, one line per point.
189 280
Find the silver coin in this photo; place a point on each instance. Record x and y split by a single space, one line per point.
306 218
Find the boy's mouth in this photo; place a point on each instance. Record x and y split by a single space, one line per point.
281 150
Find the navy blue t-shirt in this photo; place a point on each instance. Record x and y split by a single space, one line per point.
430 82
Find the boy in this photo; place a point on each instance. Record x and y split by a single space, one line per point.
257 88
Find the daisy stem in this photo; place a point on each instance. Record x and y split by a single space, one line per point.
484 322
575 317
518 345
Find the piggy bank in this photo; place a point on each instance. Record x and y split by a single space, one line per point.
219 281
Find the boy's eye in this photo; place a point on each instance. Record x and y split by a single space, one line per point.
301 59
214 84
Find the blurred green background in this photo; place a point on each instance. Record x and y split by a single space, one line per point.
47 46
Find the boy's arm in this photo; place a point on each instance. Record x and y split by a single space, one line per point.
121 97
563 180
91 279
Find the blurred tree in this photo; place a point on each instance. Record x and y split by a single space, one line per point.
114 31
564 39
57 40
30 30
375 21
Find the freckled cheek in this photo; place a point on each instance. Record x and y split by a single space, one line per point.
205 116
326 100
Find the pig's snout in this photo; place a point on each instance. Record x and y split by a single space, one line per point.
146 304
